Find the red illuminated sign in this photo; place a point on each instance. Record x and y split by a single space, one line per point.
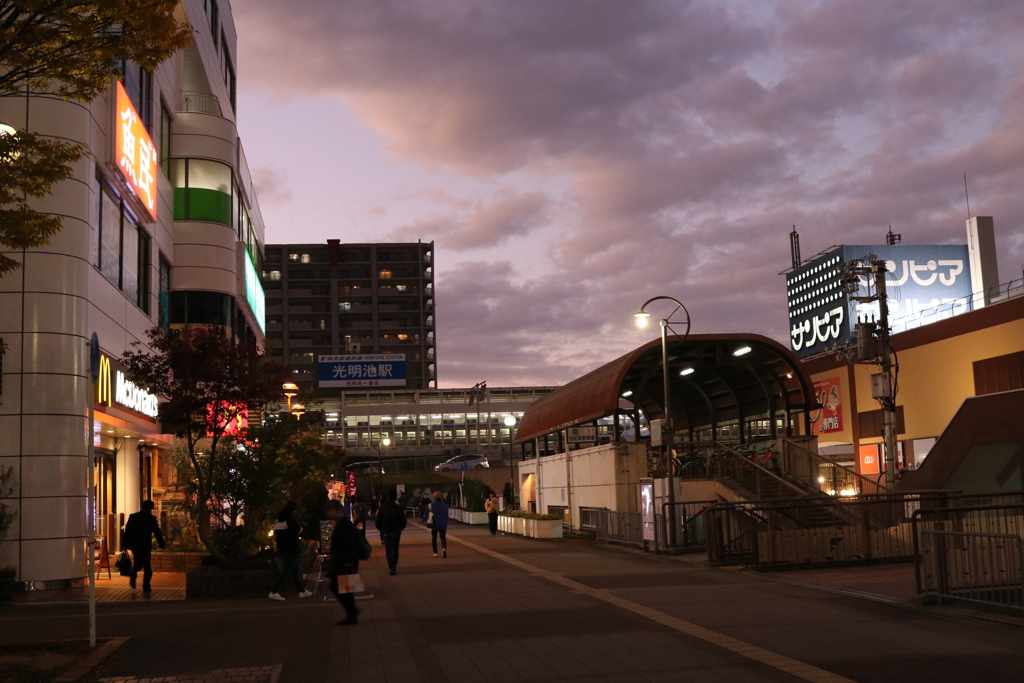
237 425
829 418
135 152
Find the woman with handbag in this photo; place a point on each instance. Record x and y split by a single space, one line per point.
343 567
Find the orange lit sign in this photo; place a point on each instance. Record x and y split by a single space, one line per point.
868 456
135 153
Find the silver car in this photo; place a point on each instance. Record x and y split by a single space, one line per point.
473 462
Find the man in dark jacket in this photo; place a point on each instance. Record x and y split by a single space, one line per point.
138 538
289 550
344 558
390 522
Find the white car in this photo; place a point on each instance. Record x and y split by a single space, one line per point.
473 462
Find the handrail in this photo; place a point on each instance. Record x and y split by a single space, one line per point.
740 464
815 462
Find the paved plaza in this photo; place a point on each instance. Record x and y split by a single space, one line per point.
505 608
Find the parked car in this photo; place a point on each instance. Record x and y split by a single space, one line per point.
473 462
364 465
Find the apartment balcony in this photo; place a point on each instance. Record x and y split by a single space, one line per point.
199 103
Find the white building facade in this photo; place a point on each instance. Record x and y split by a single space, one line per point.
161 227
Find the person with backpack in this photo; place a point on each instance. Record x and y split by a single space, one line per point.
437 521
390 521
287 532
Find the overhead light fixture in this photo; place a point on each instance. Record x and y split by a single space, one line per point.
641 318
742 351
687 371
627 394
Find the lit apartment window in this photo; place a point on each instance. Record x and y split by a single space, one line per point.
384 274
401 288
403 337
305 258
293 257
344 306
274 275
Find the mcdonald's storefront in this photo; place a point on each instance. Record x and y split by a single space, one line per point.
132 463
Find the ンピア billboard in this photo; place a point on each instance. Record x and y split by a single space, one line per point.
135 152
828 418
919 279
366 370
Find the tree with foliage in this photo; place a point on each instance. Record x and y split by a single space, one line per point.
206 382
73 49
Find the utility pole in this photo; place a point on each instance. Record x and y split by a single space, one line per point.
883 387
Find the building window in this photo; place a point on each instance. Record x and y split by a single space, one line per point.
229 72
214 20
305 258
165 139
344 306
400 288
123 253
274 275
384 274
164 293
138 83
203 191
293 257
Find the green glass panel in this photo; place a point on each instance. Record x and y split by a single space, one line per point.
209 205
179 204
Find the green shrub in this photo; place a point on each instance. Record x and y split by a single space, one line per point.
522 514
476 493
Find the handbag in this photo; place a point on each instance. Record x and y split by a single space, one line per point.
430 519
124 564
350 583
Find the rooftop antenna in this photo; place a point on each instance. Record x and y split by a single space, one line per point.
794 247
968 196
893 238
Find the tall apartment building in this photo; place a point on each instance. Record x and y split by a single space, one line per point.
349 299
160 227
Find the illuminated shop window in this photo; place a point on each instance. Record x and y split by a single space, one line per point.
202 191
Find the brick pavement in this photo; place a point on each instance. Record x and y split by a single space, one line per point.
514 609
115 588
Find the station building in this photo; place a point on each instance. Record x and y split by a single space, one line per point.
161 226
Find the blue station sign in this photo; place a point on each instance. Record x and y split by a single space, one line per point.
364 370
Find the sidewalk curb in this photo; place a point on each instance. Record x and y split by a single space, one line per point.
85 666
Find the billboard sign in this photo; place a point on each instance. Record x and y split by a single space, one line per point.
828 418
647 507
254 295
919 279
135 152
365 370
114 389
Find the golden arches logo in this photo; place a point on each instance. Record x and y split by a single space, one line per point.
104 390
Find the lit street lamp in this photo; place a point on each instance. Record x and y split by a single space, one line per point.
383 443
289 390
510 422
667 436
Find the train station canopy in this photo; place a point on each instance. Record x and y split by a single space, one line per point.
716 381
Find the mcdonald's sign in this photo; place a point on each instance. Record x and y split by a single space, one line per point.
114 387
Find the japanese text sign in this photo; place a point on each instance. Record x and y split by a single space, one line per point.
135 153
828 418
367 370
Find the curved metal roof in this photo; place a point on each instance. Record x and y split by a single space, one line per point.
767 380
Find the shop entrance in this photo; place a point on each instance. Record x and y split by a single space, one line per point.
106 520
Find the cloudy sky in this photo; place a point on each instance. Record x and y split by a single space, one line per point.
572 158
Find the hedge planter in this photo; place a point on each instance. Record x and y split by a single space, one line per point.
210 583
534 528
467 517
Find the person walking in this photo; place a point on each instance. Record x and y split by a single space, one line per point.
491 506
344 559
287 532
390 522
437 520
138 538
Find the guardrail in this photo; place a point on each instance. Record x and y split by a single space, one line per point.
199 103
975 567
625 528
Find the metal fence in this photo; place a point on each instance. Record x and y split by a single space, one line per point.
972 553
682 527
625 528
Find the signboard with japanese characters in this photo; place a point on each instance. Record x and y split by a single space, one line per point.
581 434
923 283
366 370
134 152
828 418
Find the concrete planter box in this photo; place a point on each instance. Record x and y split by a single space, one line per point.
467 517
543 528
225 584
511 525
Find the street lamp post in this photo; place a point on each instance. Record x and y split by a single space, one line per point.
289 390
510 422
383 443
641 319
